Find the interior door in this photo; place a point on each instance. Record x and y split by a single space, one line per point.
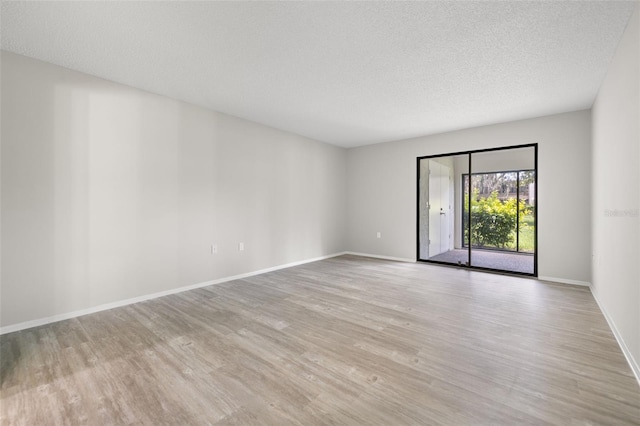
445 210
439 208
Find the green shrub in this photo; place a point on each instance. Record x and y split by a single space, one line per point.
493 222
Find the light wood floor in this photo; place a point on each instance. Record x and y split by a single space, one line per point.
344 341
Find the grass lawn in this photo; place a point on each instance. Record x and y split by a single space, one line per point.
527 231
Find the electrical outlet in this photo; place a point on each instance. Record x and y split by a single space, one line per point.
214 248
240 246
379 235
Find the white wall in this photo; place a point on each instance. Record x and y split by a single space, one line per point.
616 193
382 189
110 193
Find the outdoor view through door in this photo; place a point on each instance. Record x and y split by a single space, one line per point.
478 209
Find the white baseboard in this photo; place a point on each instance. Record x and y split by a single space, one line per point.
565 281
61 317
635 368
377 256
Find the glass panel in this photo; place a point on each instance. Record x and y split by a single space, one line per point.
499 210
439 200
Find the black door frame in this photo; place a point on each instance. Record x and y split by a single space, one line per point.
469 155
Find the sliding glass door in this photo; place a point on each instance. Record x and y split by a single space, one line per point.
478 209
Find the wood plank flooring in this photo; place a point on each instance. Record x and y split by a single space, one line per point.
343 341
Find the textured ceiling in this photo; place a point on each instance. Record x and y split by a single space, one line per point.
348 73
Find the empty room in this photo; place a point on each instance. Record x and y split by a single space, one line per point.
315 213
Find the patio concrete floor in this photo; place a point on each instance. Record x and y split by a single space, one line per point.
502 260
